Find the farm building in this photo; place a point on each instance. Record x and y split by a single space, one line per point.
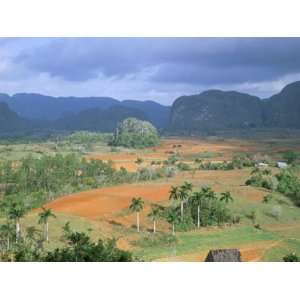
262 165
282 165
224 255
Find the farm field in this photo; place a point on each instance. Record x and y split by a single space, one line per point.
104 212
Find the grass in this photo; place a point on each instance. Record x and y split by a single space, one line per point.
285 229
204 240
277 253
56 225
202 155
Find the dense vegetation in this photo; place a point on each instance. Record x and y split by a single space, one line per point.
78 247
134 133
285 182
190 209
39 180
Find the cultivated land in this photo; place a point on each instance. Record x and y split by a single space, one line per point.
104 212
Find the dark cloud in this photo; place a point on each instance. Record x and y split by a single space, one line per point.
180 60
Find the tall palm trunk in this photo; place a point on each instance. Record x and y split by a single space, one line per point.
47 231
18 229
154 226
181 210
173 229
138 221
198 216
8 243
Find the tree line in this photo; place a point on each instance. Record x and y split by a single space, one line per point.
188 209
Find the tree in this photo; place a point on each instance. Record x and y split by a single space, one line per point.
44 219
174 194
16 210
154 216
184 192
226 197
197 199
137 205
172 217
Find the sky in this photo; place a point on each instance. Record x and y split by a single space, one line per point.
159 69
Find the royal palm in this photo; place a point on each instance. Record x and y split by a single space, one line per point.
154 216
137 205
44 219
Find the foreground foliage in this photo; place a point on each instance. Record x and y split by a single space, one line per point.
79 248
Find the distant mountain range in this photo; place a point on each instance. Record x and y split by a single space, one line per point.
46 108
210 110
215 109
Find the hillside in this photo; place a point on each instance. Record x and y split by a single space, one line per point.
47 108
283 109
157 114
96 119
10 121
215 109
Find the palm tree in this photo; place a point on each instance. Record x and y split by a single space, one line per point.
43 219
174 193
197 199
226 197
137 205
184 192
154 216
172 217
16 211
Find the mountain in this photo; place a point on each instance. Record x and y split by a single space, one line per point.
157 114
215 109
10 121
96 119
40 107
283 109
46 108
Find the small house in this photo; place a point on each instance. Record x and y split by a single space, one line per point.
282 165
224 255
262 165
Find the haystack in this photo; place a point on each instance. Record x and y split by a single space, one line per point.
224 255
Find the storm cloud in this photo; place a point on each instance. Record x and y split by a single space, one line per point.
156 68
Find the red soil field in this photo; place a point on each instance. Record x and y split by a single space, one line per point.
171 145
107 203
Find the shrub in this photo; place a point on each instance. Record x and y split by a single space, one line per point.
291 257
289 185
257 226
170 171
183 166
276 211
268 198
242 161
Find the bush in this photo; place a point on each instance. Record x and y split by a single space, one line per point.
268 198
276 211
291 257
170 171
183 166
289 185
242 161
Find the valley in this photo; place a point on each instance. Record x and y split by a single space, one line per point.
104 212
